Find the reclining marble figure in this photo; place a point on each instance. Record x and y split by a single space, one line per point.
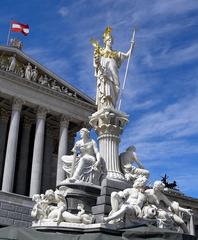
152 204
51 207
167 212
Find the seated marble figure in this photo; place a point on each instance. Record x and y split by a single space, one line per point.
85 163
127 160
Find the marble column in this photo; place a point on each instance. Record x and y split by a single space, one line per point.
35 182
10 159
109 124
4 117
22 168
62 148
109 146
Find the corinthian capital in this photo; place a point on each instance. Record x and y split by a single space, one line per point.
64 121
17 104
41 112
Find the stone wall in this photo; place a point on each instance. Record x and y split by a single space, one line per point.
15 210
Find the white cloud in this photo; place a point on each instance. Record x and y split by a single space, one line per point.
63 11
173 57
175 119
174 7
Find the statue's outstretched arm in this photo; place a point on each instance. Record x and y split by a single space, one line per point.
126 55
137 161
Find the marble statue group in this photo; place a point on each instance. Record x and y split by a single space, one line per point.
91 165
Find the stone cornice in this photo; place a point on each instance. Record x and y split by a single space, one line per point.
45 90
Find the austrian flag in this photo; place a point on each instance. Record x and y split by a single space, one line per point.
19 27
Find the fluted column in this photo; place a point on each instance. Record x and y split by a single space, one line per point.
20 186
62 148
108 145
35 182
108 124
4 116
10 159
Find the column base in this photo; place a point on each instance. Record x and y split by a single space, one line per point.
116 176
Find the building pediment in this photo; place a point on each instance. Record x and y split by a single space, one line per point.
15 61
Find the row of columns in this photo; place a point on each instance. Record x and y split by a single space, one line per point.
37 159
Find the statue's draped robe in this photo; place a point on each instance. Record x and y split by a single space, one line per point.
107 74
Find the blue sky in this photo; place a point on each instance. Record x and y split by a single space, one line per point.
161 93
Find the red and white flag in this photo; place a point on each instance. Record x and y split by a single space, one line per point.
19 27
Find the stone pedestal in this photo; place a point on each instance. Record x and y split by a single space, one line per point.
82 192
103 203
109 124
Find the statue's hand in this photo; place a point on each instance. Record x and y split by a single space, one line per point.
189 211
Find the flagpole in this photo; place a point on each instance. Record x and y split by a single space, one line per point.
9 34
126 72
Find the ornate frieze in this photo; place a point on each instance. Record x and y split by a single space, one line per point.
13 63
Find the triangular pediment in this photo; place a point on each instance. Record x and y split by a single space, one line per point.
17 62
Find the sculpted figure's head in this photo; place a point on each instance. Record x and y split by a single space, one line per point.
158 186
131 149
140 182
84 132
50 195
107 38
36 197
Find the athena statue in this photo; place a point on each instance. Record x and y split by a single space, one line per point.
107 63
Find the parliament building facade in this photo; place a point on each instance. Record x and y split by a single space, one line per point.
40 114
